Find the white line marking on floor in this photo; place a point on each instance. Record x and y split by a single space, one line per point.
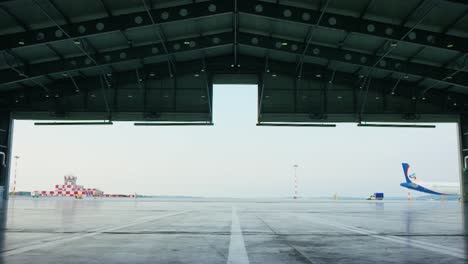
237 252
61 240
454 252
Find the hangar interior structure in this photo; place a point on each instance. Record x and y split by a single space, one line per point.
316 62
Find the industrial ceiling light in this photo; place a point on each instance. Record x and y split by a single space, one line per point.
21 42
175 124
273 75
72 123
394 44
297 124
196 75
187 42
450 45
77 42
284 44
318 75
152 74
394 125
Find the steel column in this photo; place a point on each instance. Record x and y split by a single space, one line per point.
463 143
6 125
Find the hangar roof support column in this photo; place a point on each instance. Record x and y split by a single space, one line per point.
463 125
5 148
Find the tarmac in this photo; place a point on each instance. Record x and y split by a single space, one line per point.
123 230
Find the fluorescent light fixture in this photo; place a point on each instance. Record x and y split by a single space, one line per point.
175 124
73 123
395 125
296 124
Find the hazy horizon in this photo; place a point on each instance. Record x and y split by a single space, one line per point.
233 158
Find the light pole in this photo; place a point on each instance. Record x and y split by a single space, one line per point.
295 181
14 181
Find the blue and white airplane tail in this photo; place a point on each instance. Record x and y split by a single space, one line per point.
406 167
428 187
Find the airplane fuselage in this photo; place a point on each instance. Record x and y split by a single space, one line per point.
439 188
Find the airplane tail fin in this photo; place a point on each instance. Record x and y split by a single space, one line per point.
406 167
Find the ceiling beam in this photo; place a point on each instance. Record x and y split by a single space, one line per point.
462 2
79 63
74 64
218 65
400 66
113 24
355 25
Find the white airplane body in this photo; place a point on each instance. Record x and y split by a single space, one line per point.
438 188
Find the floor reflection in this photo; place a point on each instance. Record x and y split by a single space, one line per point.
3 222
464 216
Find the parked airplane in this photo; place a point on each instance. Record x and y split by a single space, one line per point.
440 188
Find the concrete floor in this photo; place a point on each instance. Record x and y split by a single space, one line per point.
232 231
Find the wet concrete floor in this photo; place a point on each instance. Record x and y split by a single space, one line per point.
232 231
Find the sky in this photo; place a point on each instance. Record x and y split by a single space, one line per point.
233 158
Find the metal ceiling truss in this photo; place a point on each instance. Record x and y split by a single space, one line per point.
218 7
21 99
114 24
400 66
125 86
354 25
73 64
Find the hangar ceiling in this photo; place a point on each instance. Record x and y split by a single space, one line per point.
314 60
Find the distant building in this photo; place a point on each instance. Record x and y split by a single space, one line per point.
70 189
